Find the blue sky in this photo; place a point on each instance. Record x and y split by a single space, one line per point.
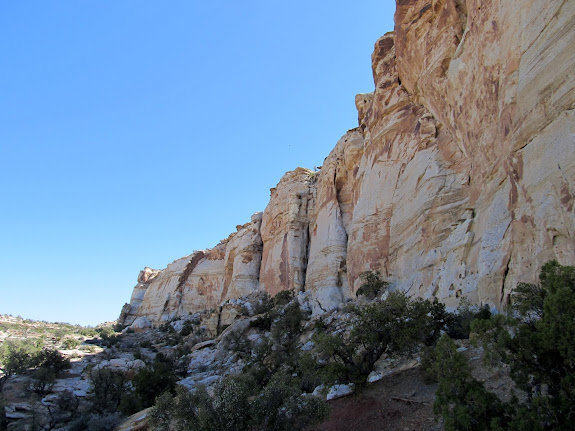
134 132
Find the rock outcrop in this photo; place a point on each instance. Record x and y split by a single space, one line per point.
459 180
200 281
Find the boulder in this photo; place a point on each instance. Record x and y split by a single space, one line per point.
339 391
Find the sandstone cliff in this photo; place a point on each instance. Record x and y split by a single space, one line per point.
459 180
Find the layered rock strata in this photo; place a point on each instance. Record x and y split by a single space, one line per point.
200 281
459 180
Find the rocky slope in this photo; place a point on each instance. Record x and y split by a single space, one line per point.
458 182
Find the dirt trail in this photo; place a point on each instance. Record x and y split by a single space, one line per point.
398 402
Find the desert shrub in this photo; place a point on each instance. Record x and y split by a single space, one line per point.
104 422
89 348
17 356
137 353
109 386
235 403
174 339
43 381
282 350
167 327
20 356
105 331
130 404
188 410
95 422
67 402
460 399
263 322
230 403
287 327
187 328
226 409
259 368
373 285
108 336
459 323
51 359
145 344
88 332
282 407
164 413
263 304
284 321
536 338
117 327
236 342
283 298
155 380
70 343
309 372
396 325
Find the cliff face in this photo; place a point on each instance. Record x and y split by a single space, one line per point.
458 182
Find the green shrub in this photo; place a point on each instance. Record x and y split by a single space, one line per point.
282 407
396 325
70 343
105 331
145 344
51 359
109 386
373 285
163 414
309 372
263 304
43 380
88 332
281 349
108 335
89 348
230 403
130 404
285 332
153 381
187 328
227 409
48 364
236 404
283 298
167 327
537 339
460 399
118 327
17 356
263 322
95 422
287 325
459 323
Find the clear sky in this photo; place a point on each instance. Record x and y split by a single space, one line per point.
134 132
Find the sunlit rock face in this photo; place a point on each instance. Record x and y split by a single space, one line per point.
285 232
202 280
336 183
459 180
497 76
410 219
